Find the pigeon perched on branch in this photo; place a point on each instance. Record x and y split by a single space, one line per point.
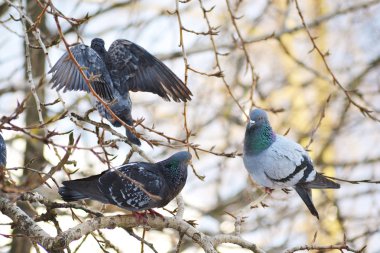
274 161
124 67
3 154
3 160
134 186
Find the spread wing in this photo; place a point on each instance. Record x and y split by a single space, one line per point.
66 75
134 186
138 70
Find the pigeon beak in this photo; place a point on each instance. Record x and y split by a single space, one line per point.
251 123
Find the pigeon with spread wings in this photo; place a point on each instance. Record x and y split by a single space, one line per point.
124 67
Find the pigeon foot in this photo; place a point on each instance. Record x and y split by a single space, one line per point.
268 190
155 214
140 217
286 190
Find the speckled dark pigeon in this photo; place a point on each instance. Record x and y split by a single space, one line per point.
3 153
274 161
124 67
133 186
3 159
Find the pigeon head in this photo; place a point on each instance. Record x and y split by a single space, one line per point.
3 152
97 42
177 163
174 170
98 45
258 118
182 156
259 134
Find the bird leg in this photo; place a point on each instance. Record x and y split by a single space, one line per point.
140 217
268 190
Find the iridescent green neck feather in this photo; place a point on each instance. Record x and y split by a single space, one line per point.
174 172
258 138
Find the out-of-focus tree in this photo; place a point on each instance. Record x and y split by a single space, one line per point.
33 156
313 65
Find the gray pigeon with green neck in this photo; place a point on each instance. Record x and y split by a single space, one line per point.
275 161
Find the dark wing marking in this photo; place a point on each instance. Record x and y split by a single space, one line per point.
305 165
66 75
121 191
137 70
308 168
305 194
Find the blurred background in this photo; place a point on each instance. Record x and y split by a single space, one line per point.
234 55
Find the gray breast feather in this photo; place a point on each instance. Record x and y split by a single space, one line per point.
277 162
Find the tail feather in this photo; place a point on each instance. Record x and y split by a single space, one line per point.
321 182
126 117
68 194
124 113
132 137
84 188
305 194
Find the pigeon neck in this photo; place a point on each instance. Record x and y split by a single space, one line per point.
102 52
258 139
175 173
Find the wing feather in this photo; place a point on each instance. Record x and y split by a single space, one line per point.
118 187
305 195
66 75
138 70
285 163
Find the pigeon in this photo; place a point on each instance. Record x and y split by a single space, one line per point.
124 67
274 161
138 186
3 153
3 160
